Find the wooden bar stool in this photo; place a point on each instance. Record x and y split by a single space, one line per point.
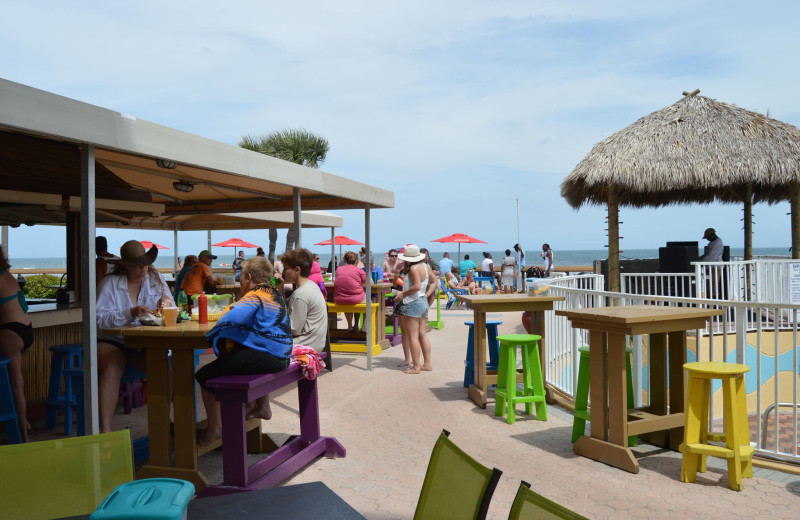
695 447
8 412
533 381
582 413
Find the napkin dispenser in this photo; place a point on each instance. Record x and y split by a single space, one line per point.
65 296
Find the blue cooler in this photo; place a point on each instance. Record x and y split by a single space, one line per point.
147 499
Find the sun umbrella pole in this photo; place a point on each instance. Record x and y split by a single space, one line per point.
613 239
794 204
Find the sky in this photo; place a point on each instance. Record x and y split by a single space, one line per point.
471 112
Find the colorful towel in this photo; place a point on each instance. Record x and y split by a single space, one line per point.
259 321
309 359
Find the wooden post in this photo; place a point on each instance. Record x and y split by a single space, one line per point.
748 223
794 203
613 239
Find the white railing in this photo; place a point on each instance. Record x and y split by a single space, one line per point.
749 332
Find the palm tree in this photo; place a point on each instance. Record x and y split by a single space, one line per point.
298 146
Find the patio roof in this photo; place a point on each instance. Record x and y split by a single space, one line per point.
40 138
261 220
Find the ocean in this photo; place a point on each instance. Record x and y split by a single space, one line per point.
565 257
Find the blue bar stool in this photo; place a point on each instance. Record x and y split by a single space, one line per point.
8 412
66 356
494 350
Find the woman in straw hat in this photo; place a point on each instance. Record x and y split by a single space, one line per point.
412 307
132 291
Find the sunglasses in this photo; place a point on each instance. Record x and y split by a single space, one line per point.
392 256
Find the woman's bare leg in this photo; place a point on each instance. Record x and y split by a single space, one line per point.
214 429
111 362
404 341
412 329
349 317
259 409
425 345
11 347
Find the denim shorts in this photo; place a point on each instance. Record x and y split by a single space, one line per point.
414 309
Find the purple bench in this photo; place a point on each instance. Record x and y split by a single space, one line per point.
233 393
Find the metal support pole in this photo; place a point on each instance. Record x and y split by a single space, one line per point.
209 241
333 256
175 249
4 241
368 267
89 289
298 218
741 333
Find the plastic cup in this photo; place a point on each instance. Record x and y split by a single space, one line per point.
374 277
170 316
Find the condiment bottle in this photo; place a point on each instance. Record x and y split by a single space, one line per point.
202 308
182 301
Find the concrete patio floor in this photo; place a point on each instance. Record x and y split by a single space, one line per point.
389 421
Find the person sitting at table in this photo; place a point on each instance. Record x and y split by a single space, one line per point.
465 265
469 283
452 278
308 311
252 336
349 286
132 291
487 268
199 277
187 265
315 275
16 336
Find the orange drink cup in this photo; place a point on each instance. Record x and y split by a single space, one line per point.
170 316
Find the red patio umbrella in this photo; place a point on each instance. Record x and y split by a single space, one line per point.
147 245
459 238
340 240
234 243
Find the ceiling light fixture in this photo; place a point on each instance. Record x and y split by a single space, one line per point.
166 164
183 186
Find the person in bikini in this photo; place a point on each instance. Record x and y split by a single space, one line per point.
16 336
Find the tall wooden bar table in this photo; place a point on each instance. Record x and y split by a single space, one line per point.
612 422
379 291
182 339
483 303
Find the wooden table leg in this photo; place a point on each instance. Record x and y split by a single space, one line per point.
477 391
658 385
158 407
537 327
597 446
677 383
617 394
183 409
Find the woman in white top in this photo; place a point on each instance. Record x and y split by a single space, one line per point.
411 305
547 254
509 272
487 267
133 290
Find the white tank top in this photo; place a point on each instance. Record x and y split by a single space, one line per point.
422 286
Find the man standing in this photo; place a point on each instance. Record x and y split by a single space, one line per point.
445 265
308 311
237 265
713 251
520 254
465 265
199 276
430 261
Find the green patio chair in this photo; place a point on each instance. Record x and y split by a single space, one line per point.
529 505
64 477
456 485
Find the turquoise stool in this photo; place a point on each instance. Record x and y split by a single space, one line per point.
64 357
494 356
8 412
533 382
582 394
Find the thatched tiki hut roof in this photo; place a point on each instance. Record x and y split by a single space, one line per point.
696 150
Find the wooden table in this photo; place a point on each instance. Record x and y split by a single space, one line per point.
229 288
612 422
483 303
379 291
182 339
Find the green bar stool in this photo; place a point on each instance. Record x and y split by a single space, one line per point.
533 382
582 394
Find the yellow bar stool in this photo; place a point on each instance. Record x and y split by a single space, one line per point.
533 382
695 447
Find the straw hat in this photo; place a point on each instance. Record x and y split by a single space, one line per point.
133 252
411 254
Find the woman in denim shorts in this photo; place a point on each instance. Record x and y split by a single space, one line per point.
412 307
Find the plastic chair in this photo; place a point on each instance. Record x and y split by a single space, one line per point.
64 477
450 292
695 447
533 381
529 505
494 353
456 485
8 412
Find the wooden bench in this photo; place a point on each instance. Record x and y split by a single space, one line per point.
339 338
233 393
